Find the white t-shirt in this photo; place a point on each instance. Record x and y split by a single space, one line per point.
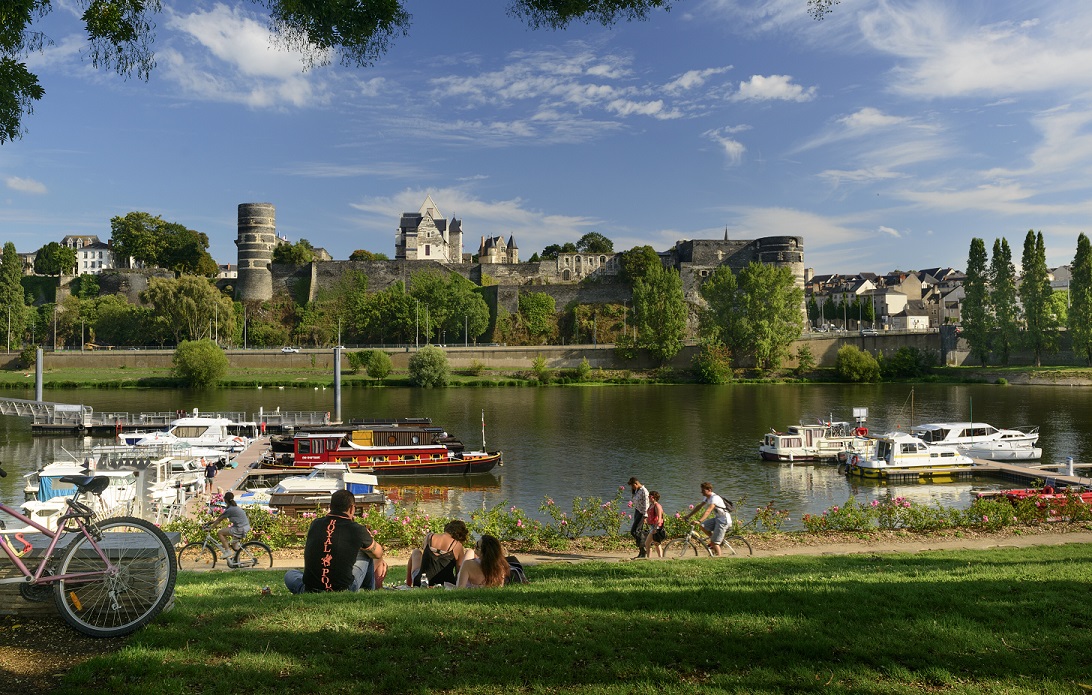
719 508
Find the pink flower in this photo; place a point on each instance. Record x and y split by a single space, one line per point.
564 523
875 503
985 519
691 506
520 523
513 509
630 503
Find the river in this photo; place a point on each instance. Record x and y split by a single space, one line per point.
565 442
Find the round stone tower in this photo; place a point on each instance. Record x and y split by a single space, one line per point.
257 237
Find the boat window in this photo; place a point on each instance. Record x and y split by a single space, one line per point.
303 446
189 430
415 439
407 457
796 442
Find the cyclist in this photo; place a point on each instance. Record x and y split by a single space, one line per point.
718 525
238 527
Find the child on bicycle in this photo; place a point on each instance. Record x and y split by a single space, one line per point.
717 526
238 527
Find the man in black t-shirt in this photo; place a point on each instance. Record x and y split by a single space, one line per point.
340 554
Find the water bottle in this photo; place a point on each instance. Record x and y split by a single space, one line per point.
424 580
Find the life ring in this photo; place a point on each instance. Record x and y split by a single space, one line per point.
853 460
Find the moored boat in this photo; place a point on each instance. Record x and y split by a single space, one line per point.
808 443
983 441
908 456
198 431
387 450
307 493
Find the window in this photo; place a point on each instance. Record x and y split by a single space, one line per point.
428 249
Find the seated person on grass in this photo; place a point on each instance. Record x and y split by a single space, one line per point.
339 554
441 557
489 568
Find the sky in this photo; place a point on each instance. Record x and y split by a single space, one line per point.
887 135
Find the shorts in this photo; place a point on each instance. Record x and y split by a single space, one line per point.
238 533
716 527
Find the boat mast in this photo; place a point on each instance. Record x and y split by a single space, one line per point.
483 430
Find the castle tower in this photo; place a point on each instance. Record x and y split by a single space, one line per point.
257 237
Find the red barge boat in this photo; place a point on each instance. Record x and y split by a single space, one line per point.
385 448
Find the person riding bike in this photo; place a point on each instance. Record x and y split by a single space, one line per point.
716 526
236 530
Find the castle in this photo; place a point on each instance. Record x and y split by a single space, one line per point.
426 239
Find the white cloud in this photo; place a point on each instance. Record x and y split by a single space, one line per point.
867 175
870 118
225 54
732 148
22 185
692 79
772 88
889 231
948 52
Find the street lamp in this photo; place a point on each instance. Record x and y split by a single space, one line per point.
416 325
466 331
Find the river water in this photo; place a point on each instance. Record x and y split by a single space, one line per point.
565 442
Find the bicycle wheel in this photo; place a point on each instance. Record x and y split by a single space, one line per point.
680 547
254 555
124 591
737 545
196 556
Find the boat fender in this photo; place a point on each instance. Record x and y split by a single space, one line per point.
327 416
853 459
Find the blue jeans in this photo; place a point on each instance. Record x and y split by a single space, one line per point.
363 577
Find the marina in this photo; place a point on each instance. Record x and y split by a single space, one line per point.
564 443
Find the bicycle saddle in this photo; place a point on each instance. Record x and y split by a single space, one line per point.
84 483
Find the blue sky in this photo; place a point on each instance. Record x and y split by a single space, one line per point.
887 135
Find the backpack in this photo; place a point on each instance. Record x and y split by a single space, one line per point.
515 571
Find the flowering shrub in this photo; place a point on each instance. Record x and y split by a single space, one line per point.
508 524
587 515
768 518
851 516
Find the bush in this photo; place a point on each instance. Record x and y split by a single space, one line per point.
540 370
583 371
428 367
713 363
379 364
856 365
200 363
359 360
908 363
805 361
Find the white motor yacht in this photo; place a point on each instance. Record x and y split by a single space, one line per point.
983 441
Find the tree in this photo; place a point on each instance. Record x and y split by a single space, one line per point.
1040 322
153 241
185 251
379 365
854 364
638 261
757 314
539 313
1005 336
200 363
117 322
975 315
428 367
121 33
362 255
1080 300
712 364
594 242
55 259
660 309
814 312
299 253
12 298
189 308
551 252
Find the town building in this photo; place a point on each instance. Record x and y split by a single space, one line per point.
426 236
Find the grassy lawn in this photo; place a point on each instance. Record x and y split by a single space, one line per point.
998 621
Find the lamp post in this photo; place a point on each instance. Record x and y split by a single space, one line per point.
244 326
625 310
416 325
466 331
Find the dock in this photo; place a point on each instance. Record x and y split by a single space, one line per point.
78 419
1031 475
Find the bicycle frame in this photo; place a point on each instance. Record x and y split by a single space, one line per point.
38 576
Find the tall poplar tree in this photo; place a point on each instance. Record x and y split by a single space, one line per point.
1040 321
12 298
660 306
1003 300
1080 300
976 317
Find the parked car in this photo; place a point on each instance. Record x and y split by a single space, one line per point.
869 332
287 349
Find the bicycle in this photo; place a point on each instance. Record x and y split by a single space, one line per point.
112 576
203 554
680 546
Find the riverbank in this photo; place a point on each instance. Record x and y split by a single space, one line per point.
619 627
300 376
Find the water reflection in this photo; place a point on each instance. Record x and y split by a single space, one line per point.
586 442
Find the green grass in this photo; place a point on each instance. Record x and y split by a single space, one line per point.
1000 621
